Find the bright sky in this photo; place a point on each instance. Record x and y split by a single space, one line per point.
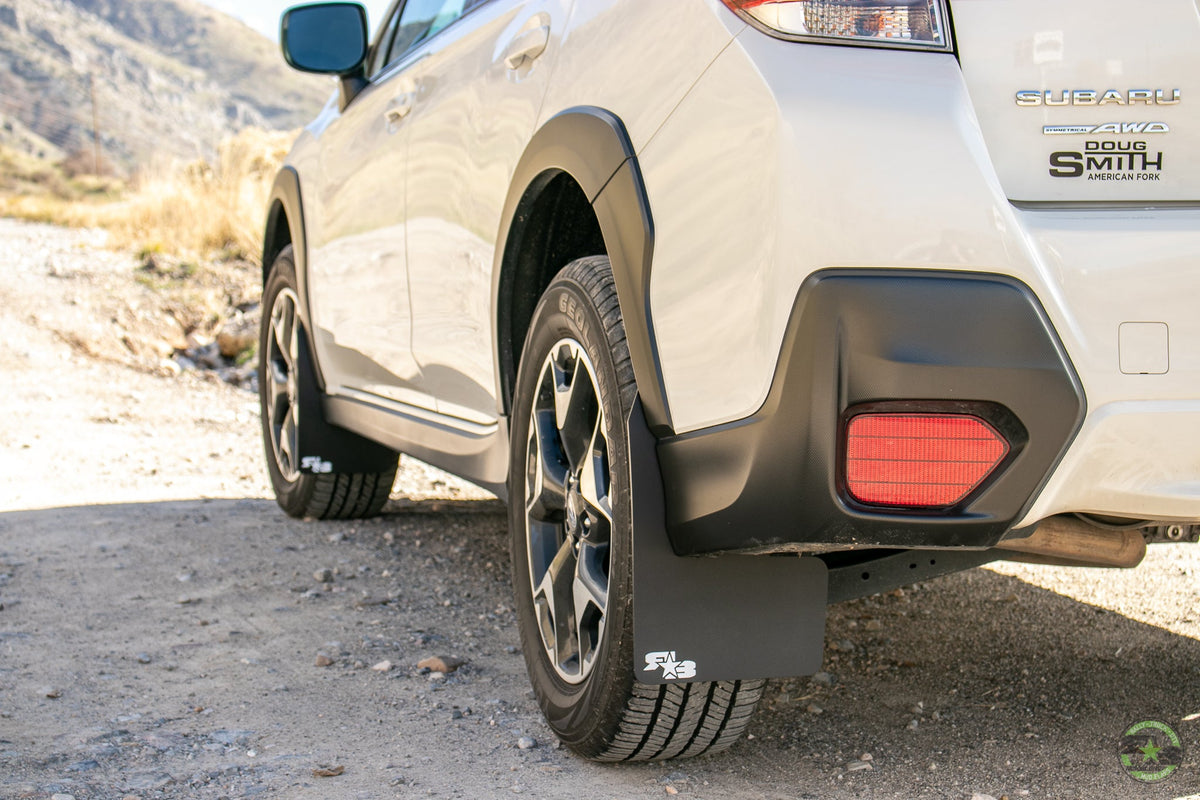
263 15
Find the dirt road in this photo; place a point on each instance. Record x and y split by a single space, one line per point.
161 622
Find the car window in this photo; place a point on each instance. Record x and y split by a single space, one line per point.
379 55
419 20
422 19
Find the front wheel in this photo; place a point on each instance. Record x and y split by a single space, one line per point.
282 359
571 540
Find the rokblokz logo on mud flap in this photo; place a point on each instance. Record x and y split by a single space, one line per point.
674 669
1109 161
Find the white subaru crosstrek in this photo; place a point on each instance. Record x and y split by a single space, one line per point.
746 307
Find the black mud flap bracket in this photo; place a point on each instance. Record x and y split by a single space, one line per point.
324 448
717 618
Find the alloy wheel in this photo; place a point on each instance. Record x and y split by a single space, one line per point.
283 351
568 510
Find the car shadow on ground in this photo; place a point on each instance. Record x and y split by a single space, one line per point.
983 683
977 682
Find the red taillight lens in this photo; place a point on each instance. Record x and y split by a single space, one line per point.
919 460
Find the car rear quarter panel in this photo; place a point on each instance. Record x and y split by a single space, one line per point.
637 59
788 158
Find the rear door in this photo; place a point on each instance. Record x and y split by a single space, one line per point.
479 85
1086 100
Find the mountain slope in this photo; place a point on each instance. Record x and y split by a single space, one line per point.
157 78
233 55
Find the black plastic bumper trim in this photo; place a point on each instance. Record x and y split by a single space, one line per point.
869 336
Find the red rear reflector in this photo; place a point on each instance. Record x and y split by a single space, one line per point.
919 460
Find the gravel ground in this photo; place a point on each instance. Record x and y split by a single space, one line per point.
166 632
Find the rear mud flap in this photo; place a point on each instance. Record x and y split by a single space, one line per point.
714 618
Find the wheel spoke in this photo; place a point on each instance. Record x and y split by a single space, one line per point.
556 588
594 481
590 596
547 474
283 323
563 362
293 339
576 408
591 579
289 435
277 391
277 375
280 420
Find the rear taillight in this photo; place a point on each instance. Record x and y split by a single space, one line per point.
919 461
920 24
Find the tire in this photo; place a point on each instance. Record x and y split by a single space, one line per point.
571 541
283 351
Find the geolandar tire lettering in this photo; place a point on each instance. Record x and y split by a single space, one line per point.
567 304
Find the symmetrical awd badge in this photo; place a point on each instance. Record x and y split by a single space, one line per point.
1108 127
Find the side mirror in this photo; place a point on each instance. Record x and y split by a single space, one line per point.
326 38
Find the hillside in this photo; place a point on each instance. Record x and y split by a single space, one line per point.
169 78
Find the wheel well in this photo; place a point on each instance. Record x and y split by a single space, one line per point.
554 224
278 236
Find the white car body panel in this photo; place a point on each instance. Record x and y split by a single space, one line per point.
370 247
356 254
816 201
1139 451
637 58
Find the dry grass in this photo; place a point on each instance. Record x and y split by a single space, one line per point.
200 210
23 177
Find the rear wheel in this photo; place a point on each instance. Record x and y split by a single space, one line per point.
283 354
572 540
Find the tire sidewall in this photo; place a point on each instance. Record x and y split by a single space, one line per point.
584 716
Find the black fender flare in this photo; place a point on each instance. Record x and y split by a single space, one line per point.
285 223
593 147
284 210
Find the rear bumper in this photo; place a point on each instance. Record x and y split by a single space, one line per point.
1133 458
959 340
881 165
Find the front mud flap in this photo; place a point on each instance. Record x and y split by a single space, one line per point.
714 618
324 448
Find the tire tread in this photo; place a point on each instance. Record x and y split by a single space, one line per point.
354 496
683 720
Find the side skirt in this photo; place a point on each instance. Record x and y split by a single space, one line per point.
480 454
